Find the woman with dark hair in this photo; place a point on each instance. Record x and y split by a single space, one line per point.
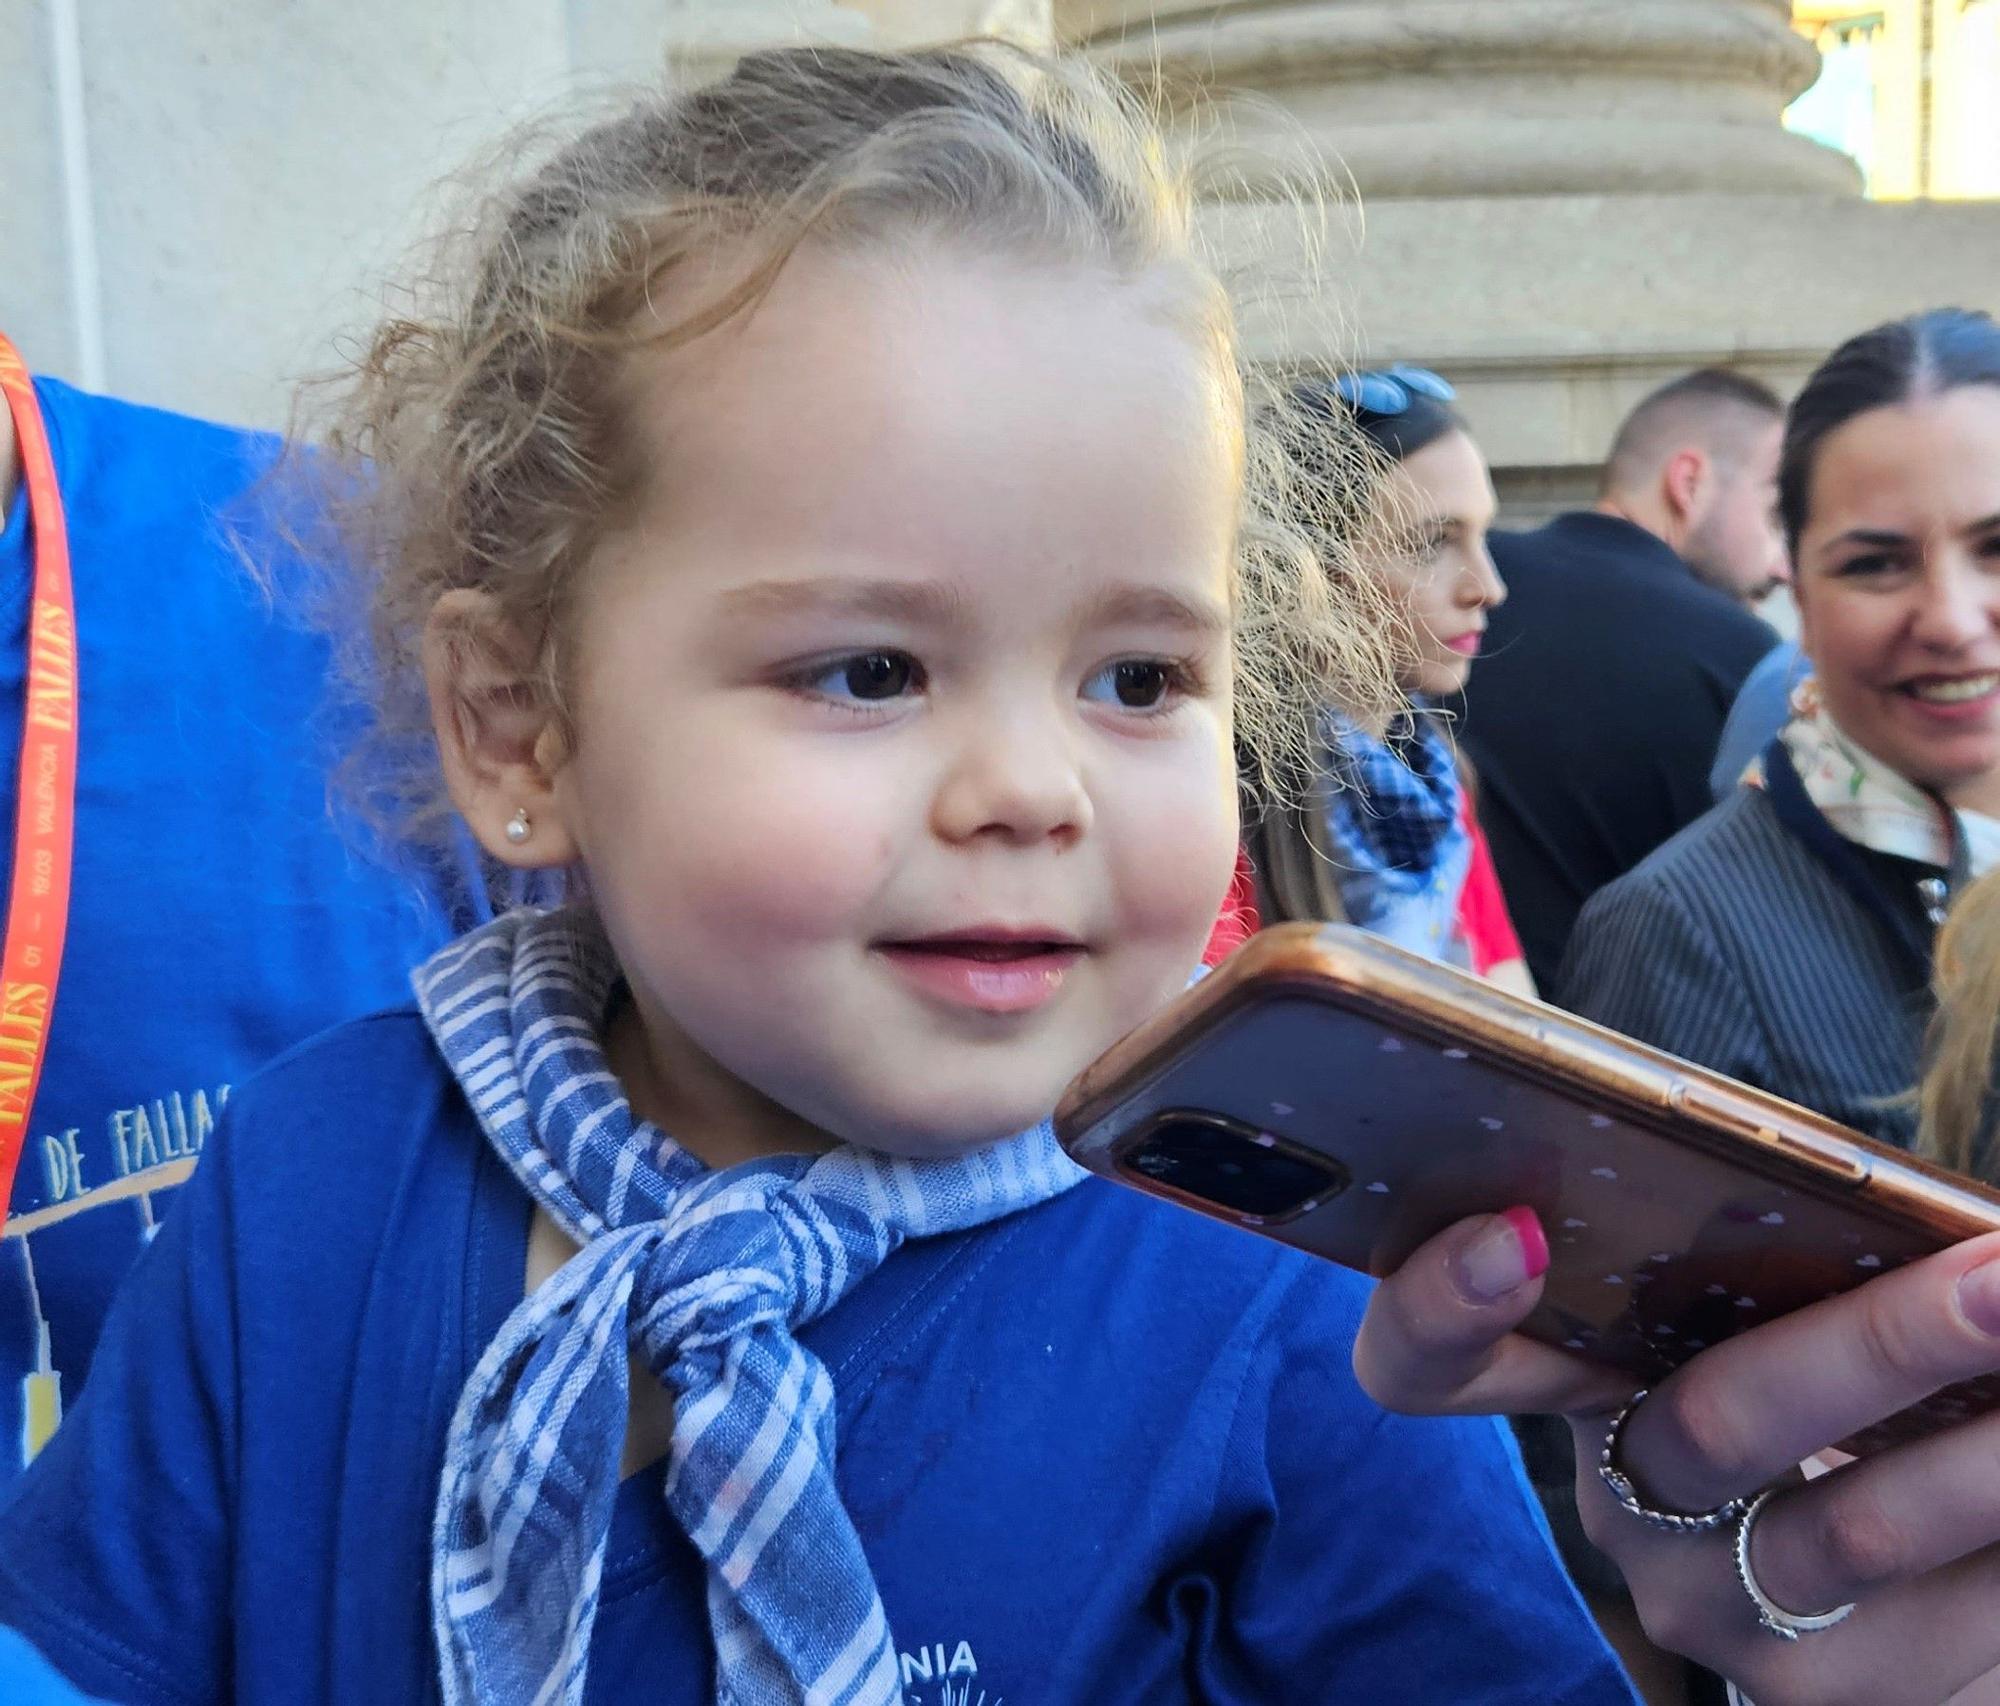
1786 937
1387 838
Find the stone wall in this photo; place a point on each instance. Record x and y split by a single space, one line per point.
194 195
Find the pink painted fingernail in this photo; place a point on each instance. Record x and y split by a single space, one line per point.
1979 1297
1508 1252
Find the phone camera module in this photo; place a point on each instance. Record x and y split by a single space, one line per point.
1246 1173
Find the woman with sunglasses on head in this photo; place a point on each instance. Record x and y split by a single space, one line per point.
1388 837
1390 841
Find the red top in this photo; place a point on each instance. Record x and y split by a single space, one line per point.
1483 924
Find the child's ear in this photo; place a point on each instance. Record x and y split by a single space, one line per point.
497 733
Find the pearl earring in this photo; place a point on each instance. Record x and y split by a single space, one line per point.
518 827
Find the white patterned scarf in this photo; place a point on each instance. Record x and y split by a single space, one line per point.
1871 805
704 1277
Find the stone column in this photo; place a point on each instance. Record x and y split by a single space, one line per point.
1564 202
1510 97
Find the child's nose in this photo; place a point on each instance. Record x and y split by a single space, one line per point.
1016 778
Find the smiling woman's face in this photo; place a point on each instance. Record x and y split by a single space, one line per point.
1898 582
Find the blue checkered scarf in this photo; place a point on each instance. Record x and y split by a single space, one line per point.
704 1277
1397 834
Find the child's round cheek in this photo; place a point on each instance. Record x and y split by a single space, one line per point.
1181 883
795 877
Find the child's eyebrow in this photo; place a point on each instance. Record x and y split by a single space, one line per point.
839 595
1156 607
931 602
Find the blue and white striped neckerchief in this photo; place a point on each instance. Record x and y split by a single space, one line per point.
703 1277
1396 833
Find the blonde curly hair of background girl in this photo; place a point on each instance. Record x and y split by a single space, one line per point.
1955 1099
478 440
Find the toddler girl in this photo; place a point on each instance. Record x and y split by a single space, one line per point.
825 524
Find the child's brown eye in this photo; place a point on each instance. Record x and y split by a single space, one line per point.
877 675
859 678
1138 684
1141 684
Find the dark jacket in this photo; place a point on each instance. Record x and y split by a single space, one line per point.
1594 717
1735 946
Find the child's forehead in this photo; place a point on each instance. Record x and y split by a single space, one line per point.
845 347
942 406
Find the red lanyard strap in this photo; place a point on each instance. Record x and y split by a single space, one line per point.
45 794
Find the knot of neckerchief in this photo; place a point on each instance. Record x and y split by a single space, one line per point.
705 1278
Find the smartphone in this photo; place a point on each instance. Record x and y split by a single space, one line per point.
1336 1093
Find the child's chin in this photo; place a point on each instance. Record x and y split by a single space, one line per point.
942 1134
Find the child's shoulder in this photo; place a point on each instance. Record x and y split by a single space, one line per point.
378 1055
339 1117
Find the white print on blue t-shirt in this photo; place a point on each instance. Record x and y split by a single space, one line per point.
928 1673
148 1147
133 1155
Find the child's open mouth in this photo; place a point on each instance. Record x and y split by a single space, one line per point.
995 971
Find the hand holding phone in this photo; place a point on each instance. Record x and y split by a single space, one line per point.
1328 1090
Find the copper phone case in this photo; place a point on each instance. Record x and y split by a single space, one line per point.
1681 1207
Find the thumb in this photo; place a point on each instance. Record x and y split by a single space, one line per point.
1439 1336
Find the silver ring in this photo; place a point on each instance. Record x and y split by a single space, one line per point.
1626 1491
1786 1625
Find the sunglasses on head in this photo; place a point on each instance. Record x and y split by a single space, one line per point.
1391 390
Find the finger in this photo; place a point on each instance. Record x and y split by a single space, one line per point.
1738 1416
1880 1521
1439 1336
1914 1644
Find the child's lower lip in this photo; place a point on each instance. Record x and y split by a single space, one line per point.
988 985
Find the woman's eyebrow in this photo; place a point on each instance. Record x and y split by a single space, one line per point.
1867 536
1886 539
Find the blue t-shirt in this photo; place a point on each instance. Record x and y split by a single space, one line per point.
26 1678
219 914
1103 1450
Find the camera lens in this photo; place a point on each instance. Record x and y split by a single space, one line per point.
1249 1173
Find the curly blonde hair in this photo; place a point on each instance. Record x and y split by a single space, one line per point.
1955 1100
477 441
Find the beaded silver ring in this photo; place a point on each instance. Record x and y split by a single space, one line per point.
1626 1491
1786 1625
